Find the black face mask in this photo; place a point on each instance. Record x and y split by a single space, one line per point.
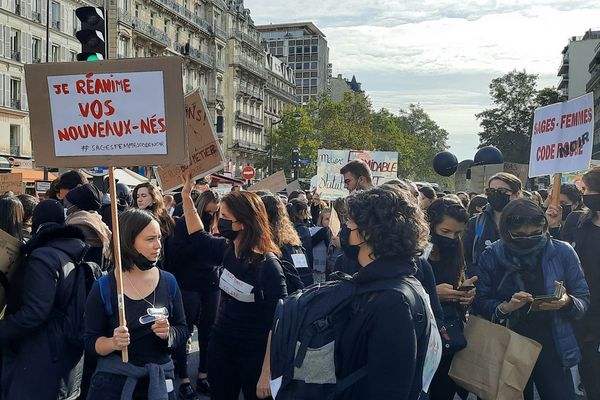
445 246
566 210
351 251
206 221
498 201
143 263
592 201
465 203
226 230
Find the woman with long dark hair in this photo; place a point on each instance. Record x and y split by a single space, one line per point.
146 196
199 282
447 221
252 283
154 315
523 265
11 216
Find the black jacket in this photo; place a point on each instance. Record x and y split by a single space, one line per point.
481 232
306 239
381 335
32 368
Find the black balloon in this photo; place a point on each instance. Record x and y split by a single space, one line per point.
488 155
445 163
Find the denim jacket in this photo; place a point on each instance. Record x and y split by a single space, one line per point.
559 263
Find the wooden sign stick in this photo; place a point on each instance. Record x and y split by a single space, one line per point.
555 197
117 254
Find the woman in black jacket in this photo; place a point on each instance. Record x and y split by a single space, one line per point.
388 229
447 221
199 283
298 211
252 283
32 368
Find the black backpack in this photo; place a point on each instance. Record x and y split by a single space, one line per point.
68 316
307 324
292 278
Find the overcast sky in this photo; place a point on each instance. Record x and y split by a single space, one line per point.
441 54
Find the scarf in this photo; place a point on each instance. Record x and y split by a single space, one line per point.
95 230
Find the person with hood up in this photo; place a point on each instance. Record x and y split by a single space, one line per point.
38 361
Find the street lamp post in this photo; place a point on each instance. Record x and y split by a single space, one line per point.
271 145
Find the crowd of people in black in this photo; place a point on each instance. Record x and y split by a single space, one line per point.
224 265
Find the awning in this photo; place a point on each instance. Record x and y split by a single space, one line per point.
32 175
4 163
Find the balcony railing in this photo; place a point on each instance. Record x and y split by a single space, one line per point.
249 118
56 24
185 13
220 65
18 8
15 150
15 103
150 31
250 66
36 16
36 60
201 56
244 144
254 92
15 55
220 32
282 93
124 16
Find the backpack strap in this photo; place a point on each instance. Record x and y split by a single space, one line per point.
479 226
105 294
172 285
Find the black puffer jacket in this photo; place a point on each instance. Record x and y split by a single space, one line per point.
37 361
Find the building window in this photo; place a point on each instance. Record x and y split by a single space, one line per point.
124 47
166 27
15 93
152 19
137 10
15 140
219 53
15 44
36 50
124 4
73 55
55 10
55 51
35 10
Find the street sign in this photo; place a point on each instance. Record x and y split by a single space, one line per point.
305 161
96 171
248 172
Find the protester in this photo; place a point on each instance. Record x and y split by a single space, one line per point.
169 204
29 203
147 197
537 199
477 204
482 229
582 230
252 283
199 283
357 176
298 213
321 237
39 361
447 221
388 229
426 196
52 192
124 202
154 315
464 199
298 194
11 216
524 264
316 207
85 202
69 181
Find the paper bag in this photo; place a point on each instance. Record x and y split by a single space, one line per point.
9 252
497 362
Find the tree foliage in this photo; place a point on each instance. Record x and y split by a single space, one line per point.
353 124
507 125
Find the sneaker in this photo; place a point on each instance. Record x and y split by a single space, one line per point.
187 392
203 387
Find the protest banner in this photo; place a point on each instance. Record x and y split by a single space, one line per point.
383 165
205 154
272 183
41 187
9 253
562 137
11 182
292 186
109 113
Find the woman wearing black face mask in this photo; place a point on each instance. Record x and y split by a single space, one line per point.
582 230
524 264
199 282
149 336
252 283
447 221
482 229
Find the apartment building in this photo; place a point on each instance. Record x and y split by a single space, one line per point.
574 68
304 48
593 86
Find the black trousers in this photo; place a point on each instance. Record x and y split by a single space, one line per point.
443 387
234 366
200 309
552 380
107 386
589 369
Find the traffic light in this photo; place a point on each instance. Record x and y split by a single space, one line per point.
92 34
295 158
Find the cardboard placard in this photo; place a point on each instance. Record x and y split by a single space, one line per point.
205 154
294 185
563 137
41 187
110 113
9 253
481 174
11 182
273 183
383 165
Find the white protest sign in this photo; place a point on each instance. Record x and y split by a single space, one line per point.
131 124
562 137
383 165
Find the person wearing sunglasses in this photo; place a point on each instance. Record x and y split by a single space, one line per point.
357 176
520 267
482 229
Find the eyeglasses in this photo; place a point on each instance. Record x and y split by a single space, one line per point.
489 191
519 220
535 235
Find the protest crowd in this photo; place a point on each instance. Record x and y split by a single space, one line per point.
293 297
